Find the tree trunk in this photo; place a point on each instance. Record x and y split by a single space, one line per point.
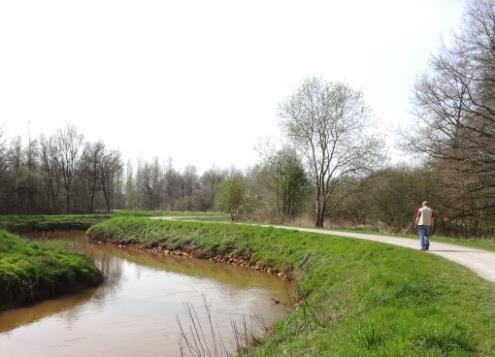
319 219
67 203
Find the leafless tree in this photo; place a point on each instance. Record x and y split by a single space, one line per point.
191 183
69 143
3 150
109 165
50 171
455 101
91 159
327 122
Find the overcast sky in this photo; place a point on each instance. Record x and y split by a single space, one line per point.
200 81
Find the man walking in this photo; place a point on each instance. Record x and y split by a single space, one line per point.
425 221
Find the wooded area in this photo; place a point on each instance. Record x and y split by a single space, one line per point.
332 169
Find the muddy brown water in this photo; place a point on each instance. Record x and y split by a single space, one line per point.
135 312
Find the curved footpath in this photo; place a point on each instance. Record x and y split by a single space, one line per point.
480 261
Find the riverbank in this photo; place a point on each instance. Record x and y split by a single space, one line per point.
360 298
59 222
67 222
30 272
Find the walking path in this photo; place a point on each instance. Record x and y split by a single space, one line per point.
480 261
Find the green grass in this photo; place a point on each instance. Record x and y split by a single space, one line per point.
27 223
361 298
30 272
161 213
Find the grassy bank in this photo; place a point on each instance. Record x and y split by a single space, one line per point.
161 213
29 223
472 242
362 298
30 272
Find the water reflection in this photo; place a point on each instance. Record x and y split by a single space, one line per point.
134 312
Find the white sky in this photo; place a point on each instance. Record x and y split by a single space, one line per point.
200 81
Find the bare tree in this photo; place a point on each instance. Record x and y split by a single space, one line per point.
69 143
455 101
91 159
109 166
130 191
327 121
191 183
172 186
3 150
50 171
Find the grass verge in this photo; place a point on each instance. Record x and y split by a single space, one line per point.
30 272
360 298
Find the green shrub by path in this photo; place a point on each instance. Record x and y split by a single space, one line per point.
26 223
361 298
30 272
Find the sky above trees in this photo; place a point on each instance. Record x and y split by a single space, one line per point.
201 81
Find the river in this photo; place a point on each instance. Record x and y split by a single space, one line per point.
137 310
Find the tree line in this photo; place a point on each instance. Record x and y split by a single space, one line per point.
59 173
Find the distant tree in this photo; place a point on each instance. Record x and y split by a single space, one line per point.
109 167
50 171
173 187
69 143
283 182
130 190
90 163
150 183
327 122
191 184
233 195
208 184
3 151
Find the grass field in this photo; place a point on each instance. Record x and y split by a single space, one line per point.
30 272
361 298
